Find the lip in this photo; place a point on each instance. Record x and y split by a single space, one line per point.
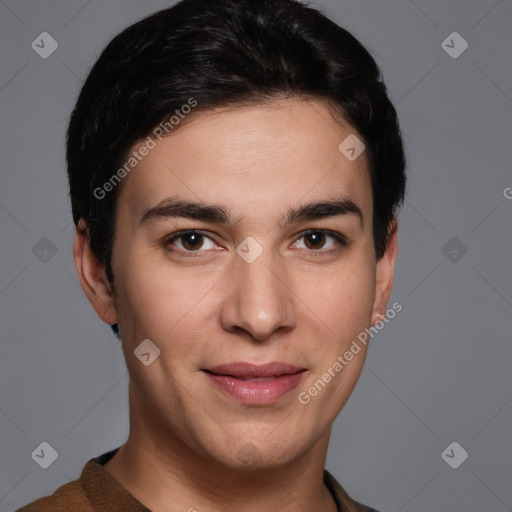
253 384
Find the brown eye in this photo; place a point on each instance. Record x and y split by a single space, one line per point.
329 241
192 241
314 240
189 241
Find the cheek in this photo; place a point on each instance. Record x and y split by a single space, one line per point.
155 301
345 306
341 297
153 305
144 296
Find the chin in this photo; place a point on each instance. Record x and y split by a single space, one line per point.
258 452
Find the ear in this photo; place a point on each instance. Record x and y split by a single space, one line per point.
384 274
92 275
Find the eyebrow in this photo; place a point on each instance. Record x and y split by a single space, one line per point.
175 207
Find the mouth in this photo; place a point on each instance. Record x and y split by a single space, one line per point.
255 384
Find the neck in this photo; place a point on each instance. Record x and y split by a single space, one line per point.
159 469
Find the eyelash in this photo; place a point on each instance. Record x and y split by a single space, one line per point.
340 239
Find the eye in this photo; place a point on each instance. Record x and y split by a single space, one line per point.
314 240
190 241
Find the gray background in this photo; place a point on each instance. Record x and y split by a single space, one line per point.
439 372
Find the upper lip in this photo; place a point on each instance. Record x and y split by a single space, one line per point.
249 370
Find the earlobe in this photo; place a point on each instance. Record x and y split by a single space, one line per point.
92 275
384 275
377 316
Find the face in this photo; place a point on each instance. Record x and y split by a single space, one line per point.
244 252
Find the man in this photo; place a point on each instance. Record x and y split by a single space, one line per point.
235 167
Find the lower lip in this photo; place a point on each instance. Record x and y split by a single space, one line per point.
263 392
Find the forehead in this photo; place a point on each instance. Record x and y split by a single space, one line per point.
255 158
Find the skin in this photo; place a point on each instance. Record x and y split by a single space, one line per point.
295 303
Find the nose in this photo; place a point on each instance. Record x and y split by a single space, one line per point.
259 300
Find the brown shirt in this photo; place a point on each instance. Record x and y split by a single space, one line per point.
96 491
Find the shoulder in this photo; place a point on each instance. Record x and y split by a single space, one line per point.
67 497
85 494
363 508
344 502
